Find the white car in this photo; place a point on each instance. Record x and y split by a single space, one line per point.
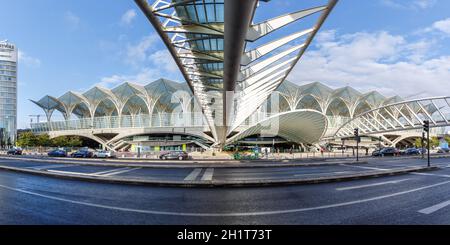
104 154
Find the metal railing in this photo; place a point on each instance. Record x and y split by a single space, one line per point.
190 119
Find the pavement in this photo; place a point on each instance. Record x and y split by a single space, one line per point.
212 175
410 198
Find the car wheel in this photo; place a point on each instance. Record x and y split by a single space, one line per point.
164 158
180 158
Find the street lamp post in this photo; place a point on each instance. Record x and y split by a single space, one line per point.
356 133
426 128
423 144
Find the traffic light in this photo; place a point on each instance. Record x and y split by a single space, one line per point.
426 126
356 132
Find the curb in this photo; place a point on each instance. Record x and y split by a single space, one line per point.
187 165
211 184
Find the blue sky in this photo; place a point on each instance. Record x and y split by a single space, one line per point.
392 46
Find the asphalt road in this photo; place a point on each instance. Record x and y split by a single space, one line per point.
415 198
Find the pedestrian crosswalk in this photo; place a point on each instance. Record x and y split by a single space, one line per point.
197 172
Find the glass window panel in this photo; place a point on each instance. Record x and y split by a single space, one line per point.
214 44
201 14
191 12
219 13
206 44
210 12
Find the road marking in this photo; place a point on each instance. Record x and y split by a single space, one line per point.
428 174
208 175
275 212
102 173
67 172
435 208
371 168
51 166
342 172
370 185
193 175
121 172
110 171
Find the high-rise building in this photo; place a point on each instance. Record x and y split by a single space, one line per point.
8 93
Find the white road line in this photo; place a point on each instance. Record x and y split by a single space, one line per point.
371 168
110 171
370 185
434 208
428 174
102 173
342 172
275 212
51 166
67 172
120 172
193 175
208 175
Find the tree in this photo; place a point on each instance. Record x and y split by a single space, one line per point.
418 142
27 139
43 140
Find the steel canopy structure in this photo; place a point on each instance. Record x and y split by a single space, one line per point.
209 42
305 114
399 116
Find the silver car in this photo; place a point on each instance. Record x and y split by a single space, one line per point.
104 154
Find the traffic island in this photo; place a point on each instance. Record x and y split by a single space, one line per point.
190 163
215 183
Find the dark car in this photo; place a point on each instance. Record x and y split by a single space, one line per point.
82 153
171 155
412 151
389 151
376 153
14 151
57 153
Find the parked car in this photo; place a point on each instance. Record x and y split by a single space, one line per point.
82 153
57 153
103 154
389 151
424 150
171 155
14 151
412 151
376 152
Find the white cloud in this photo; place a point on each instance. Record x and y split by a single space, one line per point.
415 4
128 17
442 25
375 61
28 60
163 60
138 53
72 19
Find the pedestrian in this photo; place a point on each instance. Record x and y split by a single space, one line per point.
321 151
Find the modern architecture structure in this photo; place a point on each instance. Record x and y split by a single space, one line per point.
8 93
164 114
236 90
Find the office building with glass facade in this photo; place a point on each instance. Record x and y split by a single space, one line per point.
8 93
